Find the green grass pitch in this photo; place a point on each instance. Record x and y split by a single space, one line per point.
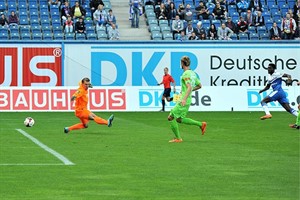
239 157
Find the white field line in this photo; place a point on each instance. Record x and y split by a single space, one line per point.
30 164
62 158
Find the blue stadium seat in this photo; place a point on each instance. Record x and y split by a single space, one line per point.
88 22
264 36
273 8
165 29
205 23
269 24
284 9
149 8
291 3
34 22
46 29
57 29
14 36
80 36
25 36
90 29
25 29
2 6
167 36
4 36
101 36
58 36
47 36
14 29
232 8
3 29
276 15
37 36
243 36
152 22
156 36
22 4
45 22
252 29
12 7
281 2
253 36
44 8
154 29
91 36
216 22
234 36
24 21
270 2
69 36
36 29
56 22
261 29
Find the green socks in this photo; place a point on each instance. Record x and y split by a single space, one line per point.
190 121
175 129
298 119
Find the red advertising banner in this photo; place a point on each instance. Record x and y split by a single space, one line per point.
59 99
30 66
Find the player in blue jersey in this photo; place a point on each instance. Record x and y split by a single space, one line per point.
275 81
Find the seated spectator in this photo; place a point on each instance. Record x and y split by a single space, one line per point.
224 33
230 24
172 11
256 10
259 20
275 32
65 11
77 11
161 12
193 36
188 13
297 32
54 2
296 12
94 5
242 26
189 29
254 4
181 11
111 18
113 33
13 19
3 20
182 36
80 26
219 12
242 6
177 26
100 16
249 18
202 12
288 27
212 32
200 31
68 25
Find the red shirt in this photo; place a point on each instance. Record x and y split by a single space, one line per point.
167 79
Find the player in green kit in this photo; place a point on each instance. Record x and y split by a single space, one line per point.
189 82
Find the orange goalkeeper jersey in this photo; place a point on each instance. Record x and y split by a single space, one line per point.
82 99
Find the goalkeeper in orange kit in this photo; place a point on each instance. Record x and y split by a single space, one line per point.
81 111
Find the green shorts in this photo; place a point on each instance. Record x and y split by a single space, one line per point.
180 111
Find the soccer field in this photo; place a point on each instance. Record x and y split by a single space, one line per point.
239 157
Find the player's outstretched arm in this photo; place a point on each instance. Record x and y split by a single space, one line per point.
289 80
266 88
197 87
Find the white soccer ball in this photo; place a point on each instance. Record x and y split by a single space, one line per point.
29 122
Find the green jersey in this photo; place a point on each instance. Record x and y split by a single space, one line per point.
188 77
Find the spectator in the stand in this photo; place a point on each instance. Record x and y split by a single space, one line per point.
3 20
13 19
297 32
65 11
158 2
224 33
177 25
100 16
172 11
181 11
193 36
230 24
80 26
254 4
212 32
242 26
288 27
275 32
249 18
68 25
200 31
202 11
94 5
219 12
189 29
182 36
188 13
135 6
77 11
259 20
296 12
161 12
242 6
113 33
111 18
54 2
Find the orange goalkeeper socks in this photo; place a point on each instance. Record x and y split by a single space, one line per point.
99 120
76 127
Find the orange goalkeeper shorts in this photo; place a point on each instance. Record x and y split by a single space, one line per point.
83 115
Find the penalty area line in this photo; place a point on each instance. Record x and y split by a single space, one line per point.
30 164
62 158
